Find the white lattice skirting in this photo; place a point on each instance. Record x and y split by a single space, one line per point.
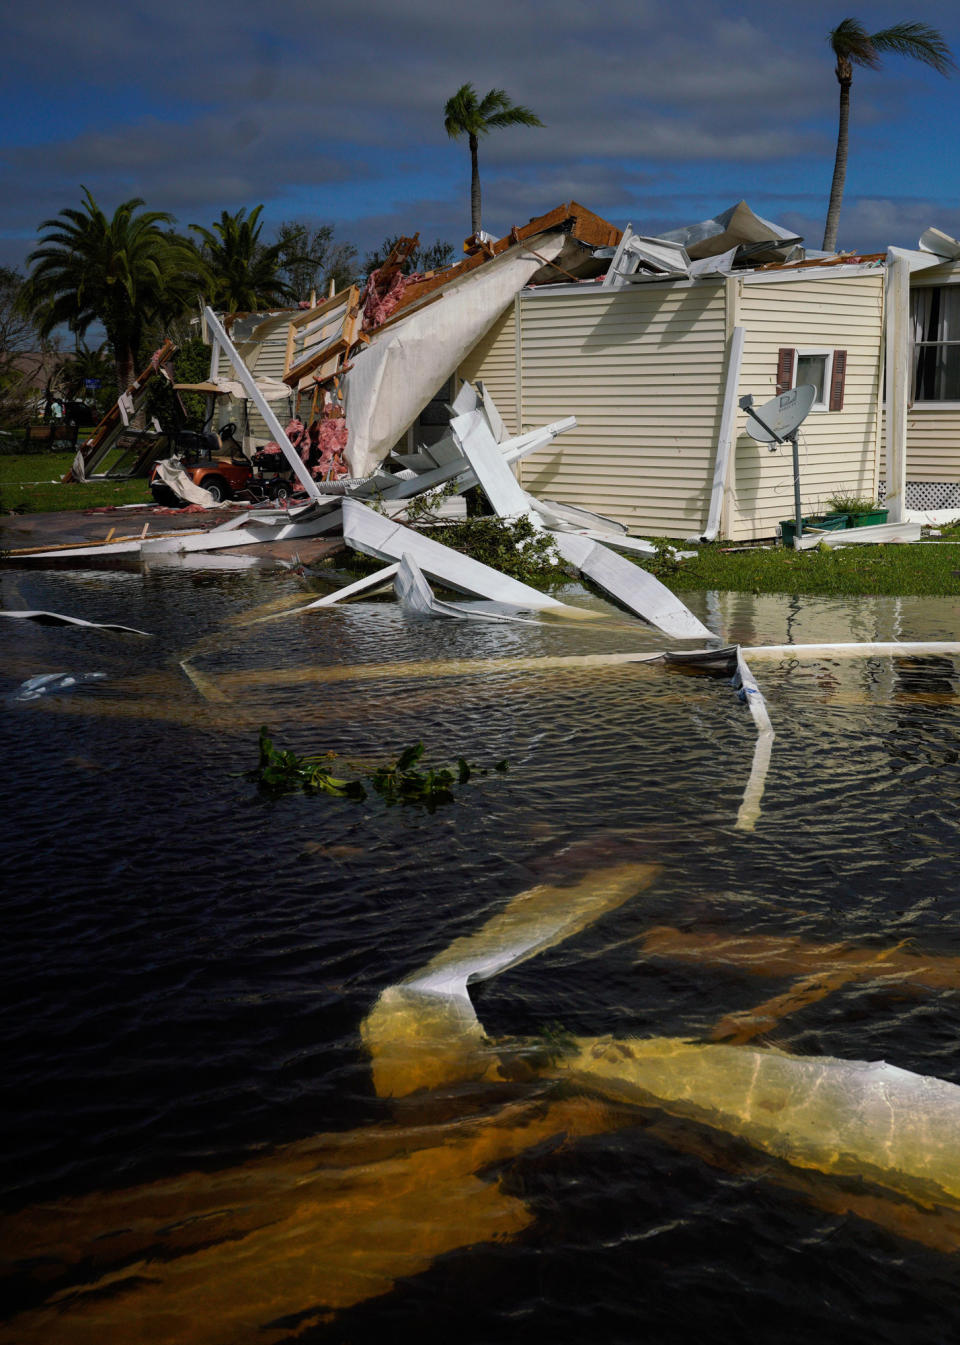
928 494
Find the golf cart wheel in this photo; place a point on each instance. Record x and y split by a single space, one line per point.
217 487
281 491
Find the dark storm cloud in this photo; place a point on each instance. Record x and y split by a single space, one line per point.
649 107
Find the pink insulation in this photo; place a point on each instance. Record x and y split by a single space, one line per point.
381 297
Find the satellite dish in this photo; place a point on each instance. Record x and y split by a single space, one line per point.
779 419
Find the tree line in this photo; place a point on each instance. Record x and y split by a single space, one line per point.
137 277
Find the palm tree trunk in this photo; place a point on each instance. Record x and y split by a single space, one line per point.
123 359
474 185
839 170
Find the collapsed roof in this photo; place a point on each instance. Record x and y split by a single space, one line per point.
735 239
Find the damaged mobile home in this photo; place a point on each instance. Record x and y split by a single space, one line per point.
650 343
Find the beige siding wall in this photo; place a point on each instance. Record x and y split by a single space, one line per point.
641 370
839 450
493 360
264 360
933 443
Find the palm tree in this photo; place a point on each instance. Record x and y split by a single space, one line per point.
124 272
243 274
853 45
463 115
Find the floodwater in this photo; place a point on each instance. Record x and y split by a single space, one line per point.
194 1148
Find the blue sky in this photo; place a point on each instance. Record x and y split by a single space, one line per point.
656 113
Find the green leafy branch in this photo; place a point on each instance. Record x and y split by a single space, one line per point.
283 772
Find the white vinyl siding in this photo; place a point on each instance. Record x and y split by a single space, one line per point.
839 450
933 443
264 359
641 370
493 360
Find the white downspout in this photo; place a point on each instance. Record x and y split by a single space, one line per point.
897 323
721 470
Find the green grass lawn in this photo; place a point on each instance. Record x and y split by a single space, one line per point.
895 568
30 484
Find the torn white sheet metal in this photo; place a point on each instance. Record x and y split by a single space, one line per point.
425 1032
494 418
865 1120
367 531
467 399
256 530
639 258
635 588
415 595
51 684
394 377
480 448
171 473
931 518
572 517
879 533
749 809
458 468
752 694
214 560
368 584
734 228
244 530
58 619
941 244
639 546
277 525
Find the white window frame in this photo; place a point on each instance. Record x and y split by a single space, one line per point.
827 373
928 282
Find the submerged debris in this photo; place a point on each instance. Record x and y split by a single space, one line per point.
401 781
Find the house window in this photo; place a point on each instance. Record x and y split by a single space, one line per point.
935 320
814 366
826 370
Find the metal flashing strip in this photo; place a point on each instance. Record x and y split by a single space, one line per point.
749 809
811 273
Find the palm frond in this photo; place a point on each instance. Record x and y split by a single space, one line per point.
851 42
515 116
918 41
460 112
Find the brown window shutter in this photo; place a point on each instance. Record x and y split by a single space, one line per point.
786 358
837 380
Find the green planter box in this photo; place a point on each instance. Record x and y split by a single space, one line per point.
867 520
788 526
